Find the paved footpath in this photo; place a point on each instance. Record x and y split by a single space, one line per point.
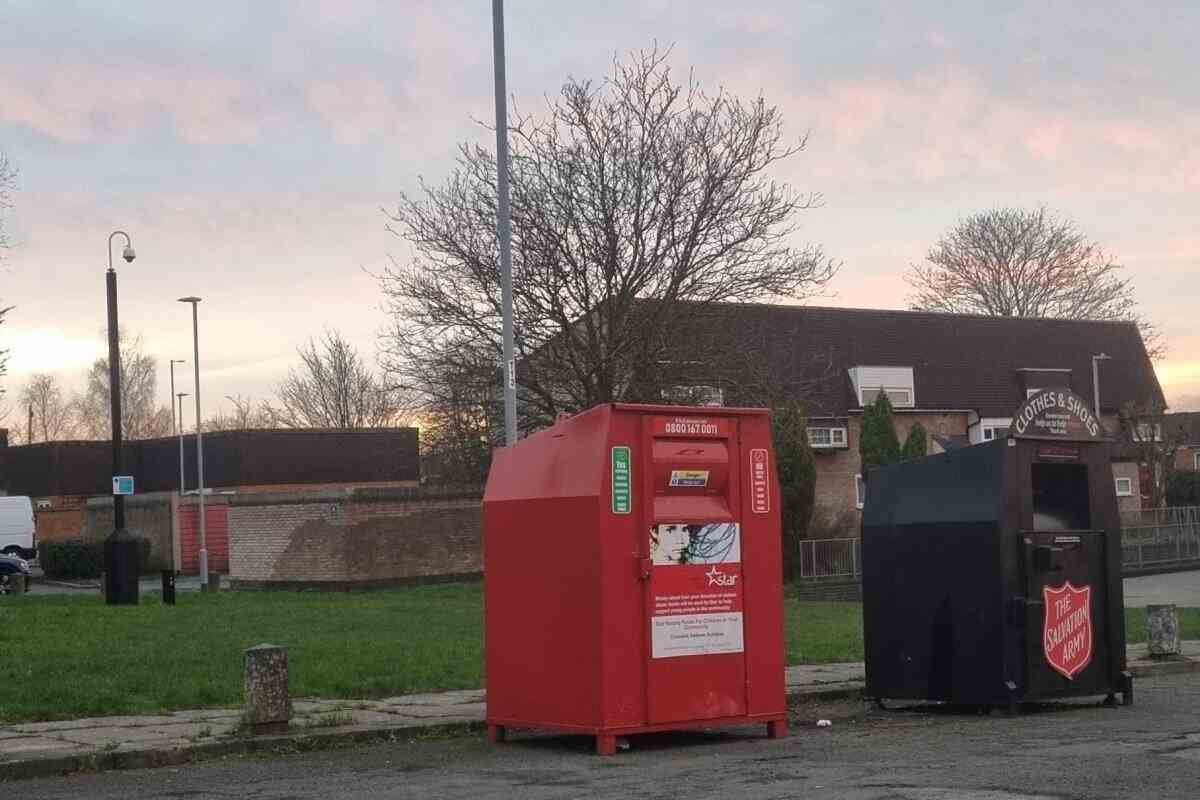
50 748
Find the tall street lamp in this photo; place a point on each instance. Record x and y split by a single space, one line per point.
195 301
180 396
1096 359
503 227
120 548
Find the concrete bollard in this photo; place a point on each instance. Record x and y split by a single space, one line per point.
1162 631
268 705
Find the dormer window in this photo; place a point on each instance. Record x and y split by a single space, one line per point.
896 382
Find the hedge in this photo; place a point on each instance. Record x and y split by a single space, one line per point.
1183 489
75 558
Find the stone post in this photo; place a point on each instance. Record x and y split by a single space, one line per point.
1162 631
268 704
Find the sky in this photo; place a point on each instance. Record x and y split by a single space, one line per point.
251 149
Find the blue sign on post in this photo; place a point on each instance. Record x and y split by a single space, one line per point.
123 484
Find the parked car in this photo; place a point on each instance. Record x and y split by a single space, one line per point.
12 569
18 535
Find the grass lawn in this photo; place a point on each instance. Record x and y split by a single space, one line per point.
64 657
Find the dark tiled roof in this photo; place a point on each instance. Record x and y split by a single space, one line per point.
1189 422
959 361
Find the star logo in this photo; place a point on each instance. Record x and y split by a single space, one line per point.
718 578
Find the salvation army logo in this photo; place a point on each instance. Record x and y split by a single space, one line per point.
1067 630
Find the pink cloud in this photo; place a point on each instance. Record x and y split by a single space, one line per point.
74 102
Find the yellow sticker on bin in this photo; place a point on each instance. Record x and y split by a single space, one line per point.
689 478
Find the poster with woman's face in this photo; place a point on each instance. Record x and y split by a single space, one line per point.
712 543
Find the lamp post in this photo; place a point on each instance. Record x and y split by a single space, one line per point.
503 225
1096 359
195 301
180 396
120 549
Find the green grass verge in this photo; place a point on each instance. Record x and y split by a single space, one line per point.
72 656
65 657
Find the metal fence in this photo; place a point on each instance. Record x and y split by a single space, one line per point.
830 558
1156 537
1149 538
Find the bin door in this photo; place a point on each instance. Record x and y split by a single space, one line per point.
696 665
1067 626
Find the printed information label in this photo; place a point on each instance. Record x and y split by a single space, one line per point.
684 478
696 635
696 589
622 496
760 491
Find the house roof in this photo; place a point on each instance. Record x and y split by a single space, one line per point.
1189 422
959 361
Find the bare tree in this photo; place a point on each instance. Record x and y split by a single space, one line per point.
8 182
333 388
141 418
635 201
53 416
1013 262
245 415
8 185
1145 431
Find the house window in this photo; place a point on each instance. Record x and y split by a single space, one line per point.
1124 487
1196 461
860 492
694 395
1148 433
823 438
899 398
990 434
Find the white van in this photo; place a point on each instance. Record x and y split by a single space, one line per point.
17 534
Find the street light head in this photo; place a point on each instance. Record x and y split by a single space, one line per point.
189 299
128 253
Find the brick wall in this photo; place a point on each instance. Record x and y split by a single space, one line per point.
836 494
1128 469
358 537
148 516
63 520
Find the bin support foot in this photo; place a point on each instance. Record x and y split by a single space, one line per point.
606 745
495 733
777 729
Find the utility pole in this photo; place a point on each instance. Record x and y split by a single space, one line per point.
503 225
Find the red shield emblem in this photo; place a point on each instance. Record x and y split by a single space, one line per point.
1067 631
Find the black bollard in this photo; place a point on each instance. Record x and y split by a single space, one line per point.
168 587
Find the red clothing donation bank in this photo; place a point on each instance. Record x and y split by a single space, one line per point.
632 575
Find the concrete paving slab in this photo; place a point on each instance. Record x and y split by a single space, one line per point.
37 744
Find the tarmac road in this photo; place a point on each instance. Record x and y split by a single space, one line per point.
1149 750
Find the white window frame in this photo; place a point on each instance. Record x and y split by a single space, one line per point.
675 394
890 391
860 492
996 431
1129 487
1147 432
837 437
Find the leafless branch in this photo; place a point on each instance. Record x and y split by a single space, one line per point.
639 188
1014 262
